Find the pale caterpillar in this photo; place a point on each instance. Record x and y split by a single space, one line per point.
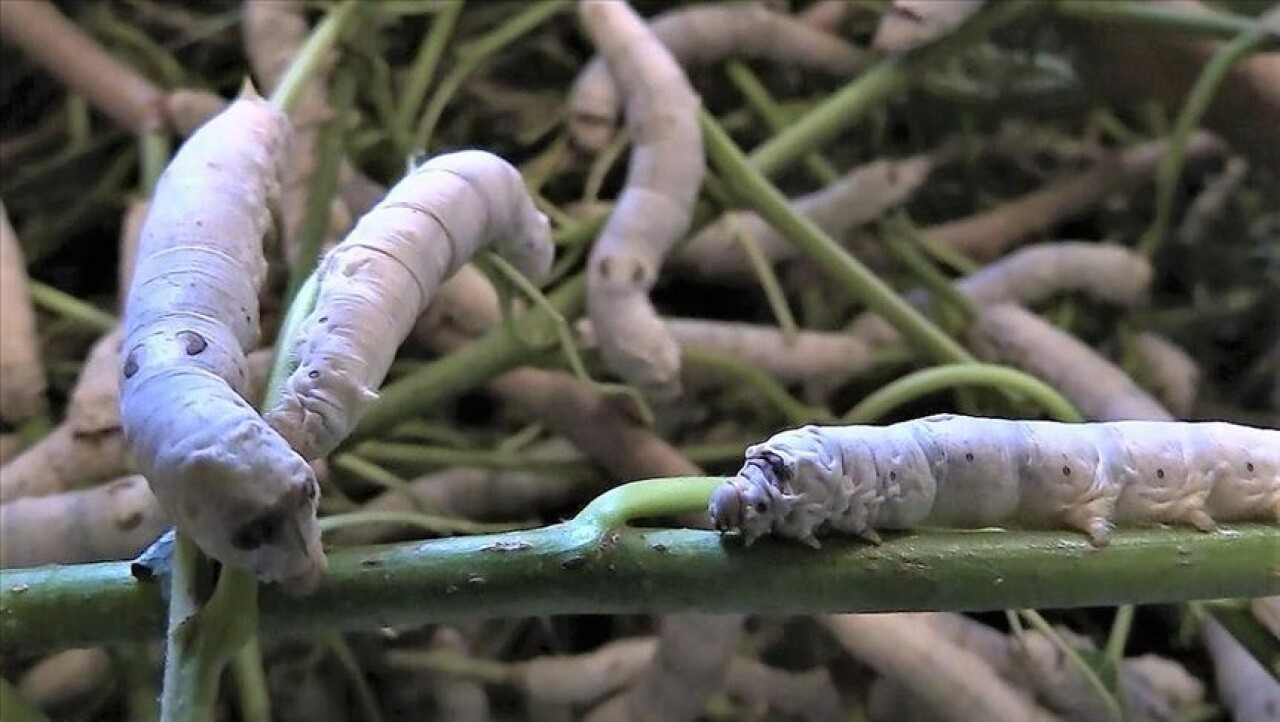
374 284
701 35
959 471
220 472
656 205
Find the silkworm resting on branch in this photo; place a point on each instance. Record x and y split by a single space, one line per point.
374 284
960 471
220 472
656 205
702 35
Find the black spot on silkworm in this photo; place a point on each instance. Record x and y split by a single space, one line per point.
637 274
893 476
761 507
193 343
1249 465
1066 471
968 456
313 374
258 532
323 319
131 365
1159 473
606 268
130 522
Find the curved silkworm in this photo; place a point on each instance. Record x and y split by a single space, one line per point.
220 472
960 471
374 284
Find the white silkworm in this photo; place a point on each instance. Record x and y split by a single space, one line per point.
701 35
374 284
960 471
655 207
224 476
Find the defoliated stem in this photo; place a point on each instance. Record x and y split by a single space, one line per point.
16 707
1200 22
311 55
794 410
921 383
752 187
420 73
1198 100
873 86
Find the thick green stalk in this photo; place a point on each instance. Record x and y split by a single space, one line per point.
578 568
927 381
763 197
758 97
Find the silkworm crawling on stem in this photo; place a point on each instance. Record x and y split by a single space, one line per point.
863 194
1245 687
372 286
910 23
22 381
702 35
64 684
960 471
656 205
220 472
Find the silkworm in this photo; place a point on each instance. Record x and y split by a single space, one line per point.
959 471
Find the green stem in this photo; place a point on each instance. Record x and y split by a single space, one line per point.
1119 637
470 57
1073 655
16 707
390 452
758 97
498 350
766 200
422 71
792 409
433 523
251 684
927 381
769 283
311 55
69 307
1200 22
154 148
324 184
875 85
1198 100
574 568
347 660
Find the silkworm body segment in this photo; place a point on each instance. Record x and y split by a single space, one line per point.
958 471
225 477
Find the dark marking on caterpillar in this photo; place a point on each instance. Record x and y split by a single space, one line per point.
856 479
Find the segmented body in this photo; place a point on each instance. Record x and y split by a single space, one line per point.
959 471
